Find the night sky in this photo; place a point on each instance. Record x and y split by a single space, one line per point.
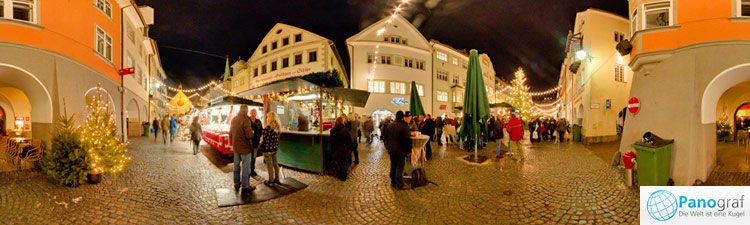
526 33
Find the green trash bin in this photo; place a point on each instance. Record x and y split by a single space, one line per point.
576 133
146 129
653 164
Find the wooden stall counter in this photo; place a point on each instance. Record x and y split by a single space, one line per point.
305 150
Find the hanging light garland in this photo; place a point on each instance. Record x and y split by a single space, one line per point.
550 91
380 32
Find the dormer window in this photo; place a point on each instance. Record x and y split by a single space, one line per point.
265 49
274 45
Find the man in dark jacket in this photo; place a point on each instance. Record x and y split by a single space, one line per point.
428 128
398 137
439 129
241 133
353 124
341 145
258 129
383 127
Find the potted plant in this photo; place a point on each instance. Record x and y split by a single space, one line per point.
66 161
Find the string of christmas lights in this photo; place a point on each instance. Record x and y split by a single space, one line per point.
380 32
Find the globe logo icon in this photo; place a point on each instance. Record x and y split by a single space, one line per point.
661 205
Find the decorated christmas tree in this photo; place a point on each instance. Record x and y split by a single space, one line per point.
66 162
101 141
519 96
723 127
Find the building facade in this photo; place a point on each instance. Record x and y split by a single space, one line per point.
691 61
50 61
385 63
594 78
286 52
138 52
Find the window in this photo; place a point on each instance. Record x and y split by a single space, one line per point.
23 10
398 88
129 62
620 73
297 37
657 14
463 65
455 79
420 89
376 86
409 63
458 96
255 72
442 96
442 56
274 45
130 33
263 69
370 58
619 37
285 62
103 44
455 61
420 65
386 59
297 59
285 41
634 22
273 66
104 6
265 49
395 39
312 56
442 75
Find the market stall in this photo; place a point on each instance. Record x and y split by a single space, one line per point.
216 118
306 112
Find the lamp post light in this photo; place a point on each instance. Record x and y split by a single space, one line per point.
581 54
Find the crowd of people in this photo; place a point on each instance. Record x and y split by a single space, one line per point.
251 138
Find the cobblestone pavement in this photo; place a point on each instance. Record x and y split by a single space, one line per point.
562 184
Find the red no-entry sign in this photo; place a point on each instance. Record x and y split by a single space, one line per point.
634 105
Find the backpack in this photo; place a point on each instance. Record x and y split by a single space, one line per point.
418 178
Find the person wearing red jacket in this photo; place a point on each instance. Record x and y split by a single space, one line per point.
515 129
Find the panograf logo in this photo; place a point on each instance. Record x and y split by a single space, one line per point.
693 205
661 205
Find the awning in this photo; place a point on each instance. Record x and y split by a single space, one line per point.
227 100
357 98
285 86
352 97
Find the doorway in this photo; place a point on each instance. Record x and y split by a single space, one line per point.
378 116
2 122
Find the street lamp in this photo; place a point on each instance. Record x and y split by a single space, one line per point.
581 54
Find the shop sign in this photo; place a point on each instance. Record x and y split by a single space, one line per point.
594 105
27 127
443 107
19 118
399 101
634 105
279 109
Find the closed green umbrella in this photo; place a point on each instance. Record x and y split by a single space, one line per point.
415 103
476 106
